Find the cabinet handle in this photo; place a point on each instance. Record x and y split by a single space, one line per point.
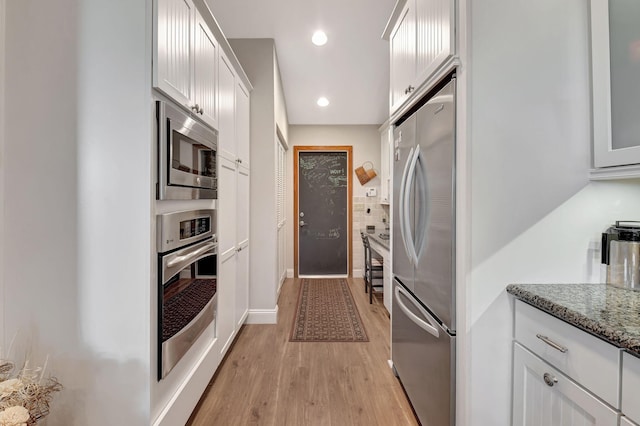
551 343
239 249
549 379
201 111
196 108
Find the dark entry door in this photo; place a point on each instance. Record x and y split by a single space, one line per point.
323 213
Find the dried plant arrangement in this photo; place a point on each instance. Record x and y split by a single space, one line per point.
25 394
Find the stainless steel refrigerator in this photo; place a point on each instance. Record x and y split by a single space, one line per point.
423 320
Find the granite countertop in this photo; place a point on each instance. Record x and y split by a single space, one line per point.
375 235
608 312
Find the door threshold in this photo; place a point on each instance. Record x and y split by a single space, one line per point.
324 276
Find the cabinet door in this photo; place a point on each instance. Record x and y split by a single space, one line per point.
242 242
616 82
243 112
227 205
173 49
388 284
403 55
205 72
242 284
226 251
434 36
630 386
544 396
227 126
225 318
385 166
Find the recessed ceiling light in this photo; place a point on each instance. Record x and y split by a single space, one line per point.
319 38
323 102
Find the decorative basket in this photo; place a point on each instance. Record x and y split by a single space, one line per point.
365 174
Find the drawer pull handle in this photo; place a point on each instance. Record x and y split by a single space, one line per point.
549 379
551 343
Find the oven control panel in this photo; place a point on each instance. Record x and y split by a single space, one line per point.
178 229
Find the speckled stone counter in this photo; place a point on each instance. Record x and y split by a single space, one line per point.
608 312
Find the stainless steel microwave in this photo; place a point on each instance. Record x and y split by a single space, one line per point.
187 155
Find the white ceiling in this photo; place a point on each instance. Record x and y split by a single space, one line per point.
351 70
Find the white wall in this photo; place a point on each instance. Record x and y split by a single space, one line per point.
534 215
77 207
258 58
365 140
2 160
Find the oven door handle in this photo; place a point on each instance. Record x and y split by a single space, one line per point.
192 256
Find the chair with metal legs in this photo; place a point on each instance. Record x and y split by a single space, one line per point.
373 271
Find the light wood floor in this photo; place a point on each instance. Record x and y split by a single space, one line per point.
267 380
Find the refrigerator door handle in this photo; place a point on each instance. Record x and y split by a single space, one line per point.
423 205
406 208
401 204
431 327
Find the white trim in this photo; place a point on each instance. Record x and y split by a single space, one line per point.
463 213
289 272
180 407
2 160
620 172
358 273
262 316
325 276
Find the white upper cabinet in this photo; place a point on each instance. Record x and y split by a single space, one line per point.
205 72
616 83
403 53
173 52
185 55
422 40
227 130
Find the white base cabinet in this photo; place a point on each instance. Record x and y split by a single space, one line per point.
630 387
561 374
545 396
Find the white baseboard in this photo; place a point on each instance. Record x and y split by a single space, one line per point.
290 273
358 273
263 316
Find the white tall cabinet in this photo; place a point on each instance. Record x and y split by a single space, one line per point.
268 138
195 66
233 203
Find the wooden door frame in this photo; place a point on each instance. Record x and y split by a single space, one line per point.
296 229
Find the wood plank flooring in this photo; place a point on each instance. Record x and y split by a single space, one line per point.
267 380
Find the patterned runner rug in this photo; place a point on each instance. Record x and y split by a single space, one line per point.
326 312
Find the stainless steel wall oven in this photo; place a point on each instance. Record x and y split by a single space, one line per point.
187 152
187 282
